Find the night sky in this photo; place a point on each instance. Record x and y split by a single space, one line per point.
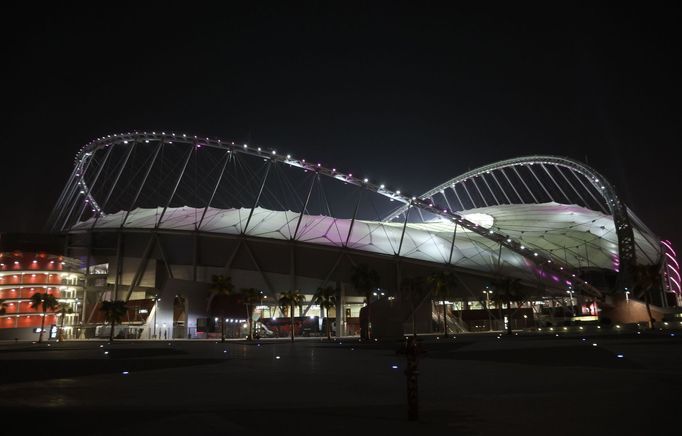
409 93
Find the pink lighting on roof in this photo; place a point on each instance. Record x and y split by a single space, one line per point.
667 244
673 259
672 268
676 282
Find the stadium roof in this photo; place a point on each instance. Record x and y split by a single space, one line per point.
572 234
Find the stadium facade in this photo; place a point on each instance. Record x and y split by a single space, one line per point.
158 214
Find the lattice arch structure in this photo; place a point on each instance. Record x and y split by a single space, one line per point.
537 180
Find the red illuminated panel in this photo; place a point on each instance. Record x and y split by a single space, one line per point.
9 293
35 278
7 322
13 279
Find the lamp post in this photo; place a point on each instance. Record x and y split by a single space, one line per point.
570 293
487 308
156 309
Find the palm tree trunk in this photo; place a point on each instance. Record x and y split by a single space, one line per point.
414 317
369 318
329 331
111 334
292 322
61 328
222 327
42 326
652 320
445 320
251 325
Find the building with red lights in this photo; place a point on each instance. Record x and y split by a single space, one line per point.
23 274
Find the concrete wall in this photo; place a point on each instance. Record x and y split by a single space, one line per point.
23 334
130 265
630 311
393 319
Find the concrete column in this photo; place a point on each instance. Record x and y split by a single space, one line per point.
341 310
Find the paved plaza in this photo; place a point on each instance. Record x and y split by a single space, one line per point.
475 384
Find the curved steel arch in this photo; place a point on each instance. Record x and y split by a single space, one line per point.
83 158
619 212
76 187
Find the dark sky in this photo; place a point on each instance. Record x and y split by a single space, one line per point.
411 93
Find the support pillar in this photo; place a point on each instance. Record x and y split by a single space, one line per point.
341 311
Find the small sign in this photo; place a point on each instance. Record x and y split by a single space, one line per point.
53 331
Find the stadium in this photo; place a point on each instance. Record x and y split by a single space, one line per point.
533 241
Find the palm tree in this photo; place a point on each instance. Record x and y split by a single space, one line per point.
251 297
411 289
442 286
45 302
646 278
222 287
366 280
63 310
114 311
291 299
326 298
506 288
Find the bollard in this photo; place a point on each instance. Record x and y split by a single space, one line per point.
411 373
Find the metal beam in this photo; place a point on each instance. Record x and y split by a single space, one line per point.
118 176
255 203
489 189
228 264
260 271
51 220
142 267
452 246
530 168
89 188
228 157
501 188
305 204
585 203
458 199
144 181
175 187
597 202
473 203
327 276
512 185
352 221
72 191
119 264
447 201
524 184
76 191
163 256
402 234
479 192
555 183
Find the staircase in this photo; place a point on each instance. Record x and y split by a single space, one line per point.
454 324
